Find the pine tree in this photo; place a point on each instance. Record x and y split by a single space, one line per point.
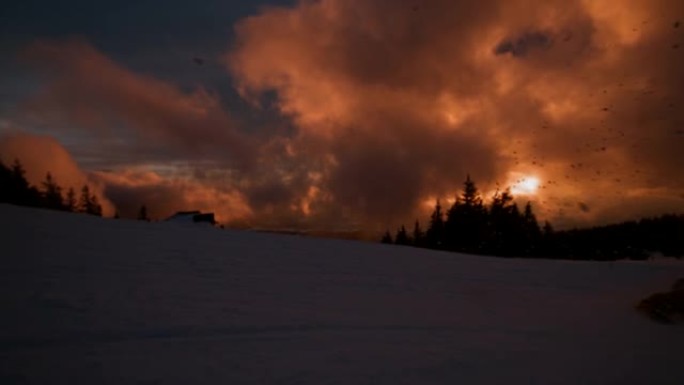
88 203
451 230
507 227
96 208
532 231
142 214
471 195
5 182
52 194
549 244
466 226
498 221
20 191
433 236
402 237
19 175
85 203
70 202
418 235
387 238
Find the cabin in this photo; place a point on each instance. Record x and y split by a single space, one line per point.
194 216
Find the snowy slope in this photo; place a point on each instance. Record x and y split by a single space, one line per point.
86 300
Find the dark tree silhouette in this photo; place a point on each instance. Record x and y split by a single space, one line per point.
52 194
88 203
70 202
142 214
508 230
499 213
19 175
97 208
5 182
19 191
85 203
418 235
466 224
533 233
501 229
434 234
402 237
387 238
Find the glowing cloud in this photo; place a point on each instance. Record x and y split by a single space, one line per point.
388 103
527 185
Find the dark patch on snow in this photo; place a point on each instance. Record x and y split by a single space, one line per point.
666 307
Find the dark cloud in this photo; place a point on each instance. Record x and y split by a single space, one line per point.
583 207
87 90
521 45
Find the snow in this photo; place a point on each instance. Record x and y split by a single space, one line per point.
100 301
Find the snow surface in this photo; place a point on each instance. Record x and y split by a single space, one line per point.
86 300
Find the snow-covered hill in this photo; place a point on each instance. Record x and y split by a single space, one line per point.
86 300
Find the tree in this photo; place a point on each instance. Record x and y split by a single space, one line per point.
471 195
433 236
387 238
89 203
512 233
402 237
466 225
5 182
70 203
19 175
548 244
418 235
85 203
96 208
142 214
499 222
19 191
533 233
451 225
52 194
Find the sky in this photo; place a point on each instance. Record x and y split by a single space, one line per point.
346 115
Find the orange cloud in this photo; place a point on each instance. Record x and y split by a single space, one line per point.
403 99
388 103
163 196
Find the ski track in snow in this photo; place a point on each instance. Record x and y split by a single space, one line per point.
97 301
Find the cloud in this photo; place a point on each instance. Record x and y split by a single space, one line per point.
385 105
522 44
138 115
163 196
403 101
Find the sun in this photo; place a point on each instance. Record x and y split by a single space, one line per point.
527 185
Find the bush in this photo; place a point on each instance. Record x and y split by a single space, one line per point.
665 307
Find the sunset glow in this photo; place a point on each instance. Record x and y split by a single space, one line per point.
389 104
526 186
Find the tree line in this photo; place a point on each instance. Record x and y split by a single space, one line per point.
15 189
500 228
